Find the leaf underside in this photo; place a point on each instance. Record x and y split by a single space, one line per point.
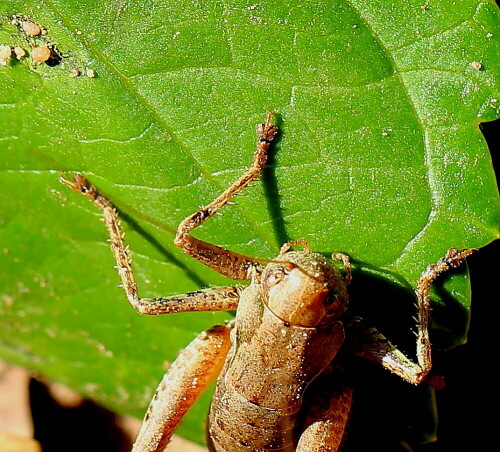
380 156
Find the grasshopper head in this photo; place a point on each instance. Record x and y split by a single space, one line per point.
304 288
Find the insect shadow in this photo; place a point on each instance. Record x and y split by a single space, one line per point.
158 246
388 413
271 190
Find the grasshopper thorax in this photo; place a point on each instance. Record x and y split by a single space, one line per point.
304 288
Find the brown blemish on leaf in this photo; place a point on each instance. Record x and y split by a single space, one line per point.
20 52
41 54
31 28
5 54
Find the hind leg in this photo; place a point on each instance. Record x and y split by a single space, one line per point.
190 374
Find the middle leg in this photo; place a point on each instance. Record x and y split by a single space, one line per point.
215 299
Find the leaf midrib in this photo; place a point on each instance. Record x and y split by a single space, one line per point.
148 107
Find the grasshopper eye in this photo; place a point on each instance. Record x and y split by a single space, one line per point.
332 303
274 277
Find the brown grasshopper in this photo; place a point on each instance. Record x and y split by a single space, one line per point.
289 326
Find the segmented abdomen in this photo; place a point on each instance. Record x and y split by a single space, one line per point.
257 403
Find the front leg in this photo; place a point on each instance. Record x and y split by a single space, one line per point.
374 346
190 374
230 264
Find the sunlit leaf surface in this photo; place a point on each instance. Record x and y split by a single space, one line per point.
380 156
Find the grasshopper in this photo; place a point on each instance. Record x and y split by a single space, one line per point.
290 324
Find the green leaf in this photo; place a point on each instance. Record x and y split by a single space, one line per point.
380 156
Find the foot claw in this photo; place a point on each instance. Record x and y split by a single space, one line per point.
80 185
